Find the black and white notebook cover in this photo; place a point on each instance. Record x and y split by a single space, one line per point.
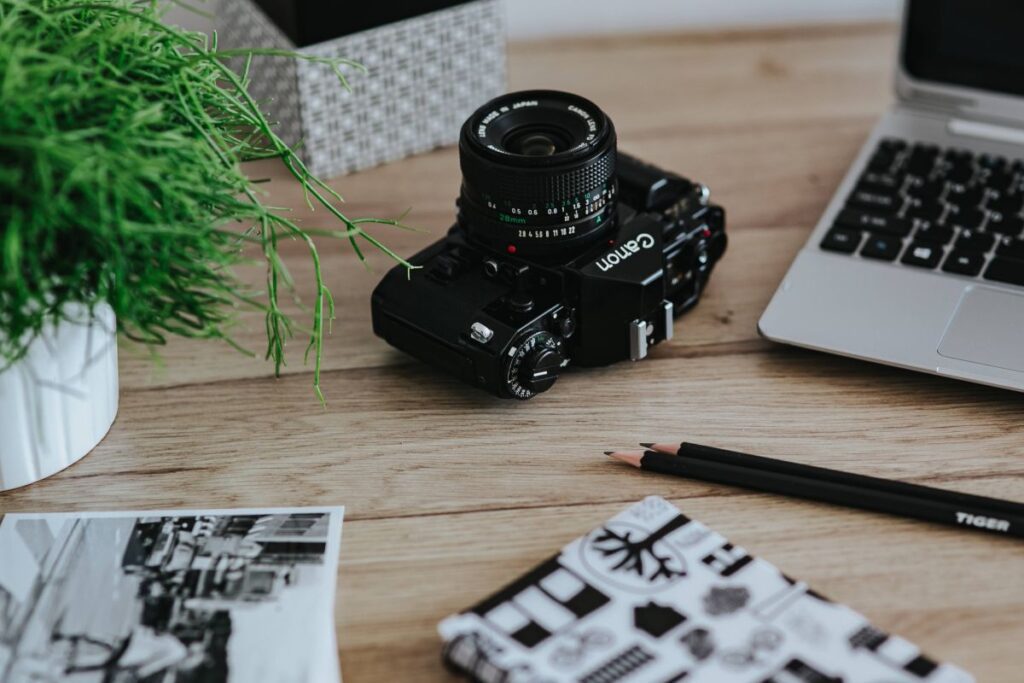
652 595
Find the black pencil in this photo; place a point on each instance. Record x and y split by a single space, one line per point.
693 461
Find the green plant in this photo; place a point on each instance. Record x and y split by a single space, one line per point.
121 140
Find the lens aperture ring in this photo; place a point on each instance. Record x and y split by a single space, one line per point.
540 229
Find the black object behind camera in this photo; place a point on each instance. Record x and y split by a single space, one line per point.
564 251
307 22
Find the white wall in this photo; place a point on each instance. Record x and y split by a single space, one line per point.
537 18
540 18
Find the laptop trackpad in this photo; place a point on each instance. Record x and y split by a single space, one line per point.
987 328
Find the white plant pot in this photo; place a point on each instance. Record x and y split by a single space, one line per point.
58 401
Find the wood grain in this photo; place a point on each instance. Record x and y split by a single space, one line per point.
451 493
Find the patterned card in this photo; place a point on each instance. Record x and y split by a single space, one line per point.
655 596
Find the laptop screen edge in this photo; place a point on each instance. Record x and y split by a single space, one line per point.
952 97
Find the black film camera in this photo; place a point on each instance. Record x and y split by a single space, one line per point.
563 251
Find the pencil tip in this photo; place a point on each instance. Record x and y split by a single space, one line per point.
629 458
646 444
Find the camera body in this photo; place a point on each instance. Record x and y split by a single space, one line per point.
509 322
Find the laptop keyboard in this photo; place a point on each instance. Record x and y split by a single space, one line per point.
946 210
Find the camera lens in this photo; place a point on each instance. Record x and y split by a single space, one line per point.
533 144
538 173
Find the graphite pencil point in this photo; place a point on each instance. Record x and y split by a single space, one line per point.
629 458
647 444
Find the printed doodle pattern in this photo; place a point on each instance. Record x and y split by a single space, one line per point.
652 595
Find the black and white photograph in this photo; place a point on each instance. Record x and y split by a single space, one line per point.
169 597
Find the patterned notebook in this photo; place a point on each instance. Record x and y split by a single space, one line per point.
655 596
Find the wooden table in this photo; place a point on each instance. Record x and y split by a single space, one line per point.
451 493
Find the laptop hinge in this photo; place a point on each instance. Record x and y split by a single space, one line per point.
985 131
954 103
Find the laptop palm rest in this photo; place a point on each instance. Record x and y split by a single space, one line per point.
987 328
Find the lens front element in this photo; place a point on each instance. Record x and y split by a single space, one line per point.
538 172
534 144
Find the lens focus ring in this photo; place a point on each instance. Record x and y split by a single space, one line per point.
522 185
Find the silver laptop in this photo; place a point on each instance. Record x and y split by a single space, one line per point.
918 261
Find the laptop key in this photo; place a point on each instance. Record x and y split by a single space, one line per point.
993 162
882 161
966 218
922 159
925 190
880 202
959 159
934 233
926 209
1005 270
892 144
882 247
861 220
842 240
1011 247
964 262
885 155
960 173
1006 204
922 255
1001 182
1005 225
972 240
994 171
874 181
964 197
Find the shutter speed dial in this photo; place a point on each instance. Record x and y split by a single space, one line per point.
535 365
